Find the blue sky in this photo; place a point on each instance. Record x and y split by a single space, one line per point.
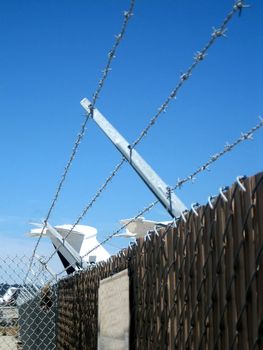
52 54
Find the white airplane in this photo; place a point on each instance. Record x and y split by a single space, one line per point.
72 248
10 296
82 239
139 227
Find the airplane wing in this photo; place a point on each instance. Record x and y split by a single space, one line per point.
139 227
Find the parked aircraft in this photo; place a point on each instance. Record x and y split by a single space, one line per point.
10 296
139 227
73 244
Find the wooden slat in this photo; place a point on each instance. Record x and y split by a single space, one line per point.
258 227
197 286
229 272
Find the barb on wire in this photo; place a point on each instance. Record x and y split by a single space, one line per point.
182 182
111 55
198 57
244 136
88 206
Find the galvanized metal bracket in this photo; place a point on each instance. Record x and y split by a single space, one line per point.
159 188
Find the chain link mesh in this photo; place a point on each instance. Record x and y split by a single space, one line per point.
27 306
194 286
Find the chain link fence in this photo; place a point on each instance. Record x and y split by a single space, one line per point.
198 285
27 305
195 286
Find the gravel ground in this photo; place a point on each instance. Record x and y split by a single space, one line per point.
8 326
8 342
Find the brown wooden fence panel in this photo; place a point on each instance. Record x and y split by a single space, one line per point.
195 286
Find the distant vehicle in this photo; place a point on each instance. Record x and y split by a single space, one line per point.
10 296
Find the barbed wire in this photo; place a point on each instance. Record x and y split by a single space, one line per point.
227 148
111 55
88 206
198 57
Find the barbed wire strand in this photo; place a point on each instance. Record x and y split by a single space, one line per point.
88 206
198 57
227 148
111 55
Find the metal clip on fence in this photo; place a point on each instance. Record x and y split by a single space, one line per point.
239 178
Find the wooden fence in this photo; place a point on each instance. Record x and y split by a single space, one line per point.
196 286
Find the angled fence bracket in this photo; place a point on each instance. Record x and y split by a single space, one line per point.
159 188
